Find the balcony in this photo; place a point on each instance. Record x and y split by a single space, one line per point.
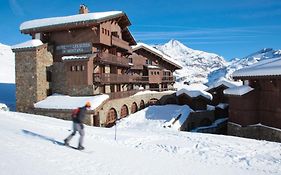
107 78
107 58
115 41
168 79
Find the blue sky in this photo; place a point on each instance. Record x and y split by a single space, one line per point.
230 28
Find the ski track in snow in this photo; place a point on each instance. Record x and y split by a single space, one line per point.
187 151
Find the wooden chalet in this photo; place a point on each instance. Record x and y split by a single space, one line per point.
255 108
90 51
151 68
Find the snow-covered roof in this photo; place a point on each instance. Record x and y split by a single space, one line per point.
267 67
75 57
222 105
28 44
194 93
225 82
56 21
58 101
240 90
157 52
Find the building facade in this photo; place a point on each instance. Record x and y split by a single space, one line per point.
256 113
83 55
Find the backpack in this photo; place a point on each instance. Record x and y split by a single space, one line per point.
74 113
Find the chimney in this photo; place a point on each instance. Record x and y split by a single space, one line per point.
83 9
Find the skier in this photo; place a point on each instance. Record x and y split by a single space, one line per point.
78 117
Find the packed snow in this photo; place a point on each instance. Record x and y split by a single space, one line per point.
240 90
28 44
3 107
31 144
263 68
57 101
7 66
37 23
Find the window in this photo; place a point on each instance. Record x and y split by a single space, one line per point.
148 62
102 30
78 68
157 73
82 67
130 60
72 68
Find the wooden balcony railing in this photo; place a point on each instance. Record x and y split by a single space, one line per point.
103 58
120 43
107 78
167 79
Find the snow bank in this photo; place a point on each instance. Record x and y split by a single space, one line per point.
74 57
155 117
67 102
240 90
4 107
28 44
194 93
68 19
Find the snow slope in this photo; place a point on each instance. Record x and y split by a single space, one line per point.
7 64
27 146
196 64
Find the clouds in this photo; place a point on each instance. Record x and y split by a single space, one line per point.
16 8
205 35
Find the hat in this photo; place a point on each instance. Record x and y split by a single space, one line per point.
88 104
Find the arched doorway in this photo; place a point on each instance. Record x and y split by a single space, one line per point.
134 108
153 101
124 111
142 105
111 118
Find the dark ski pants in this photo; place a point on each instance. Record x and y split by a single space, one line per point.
80 128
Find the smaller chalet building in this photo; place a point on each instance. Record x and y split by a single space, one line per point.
255 108
152 68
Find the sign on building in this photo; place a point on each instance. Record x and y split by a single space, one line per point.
74 48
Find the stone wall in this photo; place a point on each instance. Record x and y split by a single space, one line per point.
31 76
118 103
64 114
254 132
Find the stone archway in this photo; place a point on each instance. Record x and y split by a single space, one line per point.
134 108
111 118
142 105
124 111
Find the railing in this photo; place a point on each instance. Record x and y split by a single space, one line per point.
140 79
168 79
107 78
120 43
102 57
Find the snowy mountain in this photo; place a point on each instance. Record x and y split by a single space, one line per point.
7 64
235 64
196 64
32 145
203 67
